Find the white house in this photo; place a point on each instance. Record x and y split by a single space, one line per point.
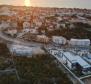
38 23
63 25
59 40
21 50
79 42
33 31
4 25
26 25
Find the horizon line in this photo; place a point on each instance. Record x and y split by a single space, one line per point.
46 6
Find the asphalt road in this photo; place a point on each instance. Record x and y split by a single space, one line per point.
17 41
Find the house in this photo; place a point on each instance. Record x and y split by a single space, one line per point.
63 25
11 31
33 31
21 50
50 28
4 25
71 26
59 40
38 23
42 38
57 26
79 42
26 25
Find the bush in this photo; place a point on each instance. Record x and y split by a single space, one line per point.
40 69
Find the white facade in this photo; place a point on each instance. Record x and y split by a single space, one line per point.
4 25
59 40
11 32
79 42
63 25
22 50
38 23
71 60
33 31
26 25
74 59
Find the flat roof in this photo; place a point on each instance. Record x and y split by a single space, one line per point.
80 39
75 58
70 56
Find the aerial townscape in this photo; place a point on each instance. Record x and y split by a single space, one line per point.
45 45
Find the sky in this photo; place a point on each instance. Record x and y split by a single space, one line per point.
52 3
